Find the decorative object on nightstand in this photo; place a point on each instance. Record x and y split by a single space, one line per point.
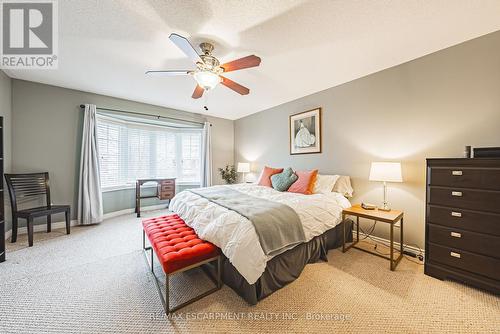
391 217
243 167
386 172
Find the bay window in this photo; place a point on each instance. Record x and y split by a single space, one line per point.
131 150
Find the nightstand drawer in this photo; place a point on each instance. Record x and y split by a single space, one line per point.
482 222
460 239
480 200
465 177
480 264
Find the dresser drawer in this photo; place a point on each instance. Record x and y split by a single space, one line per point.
167 187
167 194
482 222
460 239
479 200
479 178
168 183
480 264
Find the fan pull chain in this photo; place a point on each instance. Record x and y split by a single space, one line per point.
205 100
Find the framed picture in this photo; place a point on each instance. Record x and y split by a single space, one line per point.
305 132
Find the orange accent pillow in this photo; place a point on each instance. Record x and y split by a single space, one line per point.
305 182
265 176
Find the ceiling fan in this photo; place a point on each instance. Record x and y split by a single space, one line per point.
208 68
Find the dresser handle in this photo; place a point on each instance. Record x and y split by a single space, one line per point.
456 234
456 214
457 255
456 193
456 172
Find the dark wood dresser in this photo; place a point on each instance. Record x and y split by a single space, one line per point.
462 230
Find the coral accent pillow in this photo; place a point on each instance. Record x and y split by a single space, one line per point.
305 182
265 176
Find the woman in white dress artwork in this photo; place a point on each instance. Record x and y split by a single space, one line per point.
304 138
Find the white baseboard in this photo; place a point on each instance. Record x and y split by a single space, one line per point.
132 210
386 242
62 224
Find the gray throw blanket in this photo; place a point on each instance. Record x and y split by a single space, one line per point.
277 225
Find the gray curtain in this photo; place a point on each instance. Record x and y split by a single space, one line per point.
206 156
89 193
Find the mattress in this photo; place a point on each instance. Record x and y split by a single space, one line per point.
235 234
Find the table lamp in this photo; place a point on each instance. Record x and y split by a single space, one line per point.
243 167
386 172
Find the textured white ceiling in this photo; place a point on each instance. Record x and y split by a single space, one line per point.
306 46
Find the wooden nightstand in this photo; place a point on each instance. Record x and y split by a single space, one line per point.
390 217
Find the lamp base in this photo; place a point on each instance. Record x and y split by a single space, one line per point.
385 207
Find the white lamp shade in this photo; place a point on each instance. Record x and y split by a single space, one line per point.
386 172
243 167
206 79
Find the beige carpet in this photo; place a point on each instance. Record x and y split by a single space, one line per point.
96 281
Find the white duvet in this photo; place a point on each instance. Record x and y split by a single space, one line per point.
235 234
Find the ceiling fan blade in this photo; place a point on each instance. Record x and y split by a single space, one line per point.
238 64
186 47
235 86
167 73
198 92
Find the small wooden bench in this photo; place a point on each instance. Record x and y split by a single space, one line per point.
178 249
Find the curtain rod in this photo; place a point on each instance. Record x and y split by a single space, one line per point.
143 114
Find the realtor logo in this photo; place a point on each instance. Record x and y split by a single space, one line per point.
29 34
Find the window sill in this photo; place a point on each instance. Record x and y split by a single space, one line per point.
132 186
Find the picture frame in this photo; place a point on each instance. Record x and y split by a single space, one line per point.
305 132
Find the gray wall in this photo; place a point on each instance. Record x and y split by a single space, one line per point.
6 113
47 125
429 107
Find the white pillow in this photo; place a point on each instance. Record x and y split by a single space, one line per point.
324 184
343 186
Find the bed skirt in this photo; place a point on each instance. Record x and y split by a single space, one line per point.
286 267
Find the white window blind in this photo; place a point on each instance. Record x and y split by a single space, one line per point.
129 151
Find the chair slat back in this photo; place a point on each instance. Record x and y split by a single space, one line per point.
26 186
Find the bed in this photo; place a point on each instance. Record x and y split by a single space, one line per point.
250 271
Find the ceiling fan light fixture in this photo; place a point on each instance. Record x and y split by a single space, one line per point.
207 79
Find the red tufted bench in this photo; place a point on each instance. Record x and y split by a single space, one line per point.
178 249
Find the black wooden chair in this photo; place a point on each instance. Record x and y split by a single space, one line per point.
24 187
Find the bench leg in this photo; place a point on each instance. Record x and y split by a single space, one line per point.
219 272
67 215
13 237
166 301
144 248
30 231
49 223
167 295
152 263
